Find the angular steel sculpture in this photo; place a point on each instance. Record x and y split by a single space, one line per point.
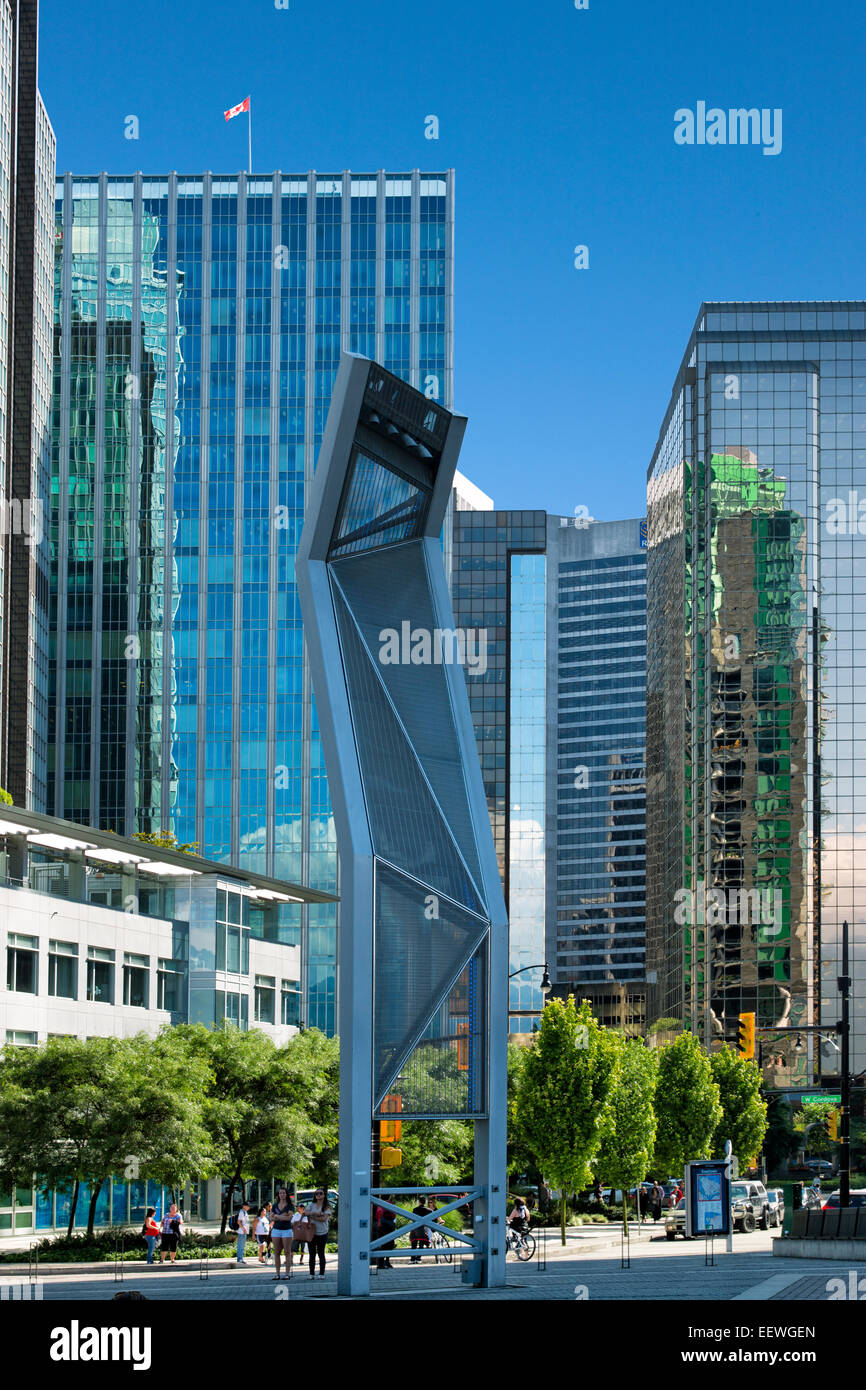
422 958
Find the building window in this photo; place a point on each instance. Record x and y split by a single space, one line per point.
264 999
169 984
290 1012
135 982
19 1038
63 969
237 1010
22 963
100 975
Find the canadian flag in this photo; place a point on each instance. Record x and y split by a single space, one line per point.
236 110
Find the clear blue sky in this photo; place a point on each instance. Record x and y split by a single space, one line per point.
560 126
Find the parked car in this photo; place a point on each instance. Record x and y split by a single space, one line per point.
308 1194
857 1198
750 1199
776 1198
819 1165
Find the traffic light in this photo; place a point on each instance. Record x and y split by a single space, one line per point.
831 1124
391 1158
390 1131
746 1035
463 1046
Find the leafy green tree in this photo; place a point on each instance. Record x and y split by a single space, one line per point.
311 1053
521 1159
5 798
744 1112
780 1143
686 1104
82 1111
434 1151
629 1138
564 1093
259 1104
810 1124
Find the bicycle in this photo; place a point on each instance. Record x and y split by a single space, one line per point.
441 1248
521 1244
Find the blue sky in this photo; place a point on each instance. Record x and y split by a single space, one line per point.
559 123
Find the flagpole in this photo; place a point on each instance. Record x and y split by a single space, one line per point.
250 133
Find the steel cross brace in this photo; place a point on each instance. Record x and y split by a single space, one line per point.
429 1220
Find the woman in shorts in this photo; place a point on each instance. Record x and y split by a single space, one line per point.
172 1230
281 1231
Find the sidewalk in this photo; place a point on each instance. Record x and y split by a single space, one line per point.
580 1240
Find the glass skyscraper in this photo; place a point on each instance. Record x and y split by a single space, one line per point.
498 586
198 326
596 761
559 720
27 150
757 743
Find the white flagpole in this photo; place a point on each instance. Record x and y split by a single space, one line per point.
250 133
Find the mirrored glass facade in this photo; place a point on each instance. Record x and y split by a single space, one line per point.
559 721
198 327
756 588
597 755
27 157
498 585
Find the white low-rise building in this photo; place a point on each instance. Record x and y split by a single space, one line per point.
107 937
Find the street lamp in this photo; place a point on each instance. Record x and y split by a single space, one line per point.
545 985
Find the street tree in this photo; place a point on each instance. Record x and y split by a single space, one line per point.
564 1094
80 1112
686 1104
744 1112
626 1149
260 1105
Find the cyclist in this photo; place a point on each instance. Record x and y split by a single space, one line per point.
518 1218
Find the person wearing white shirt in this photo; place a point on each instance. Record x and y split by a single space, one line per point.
243 1219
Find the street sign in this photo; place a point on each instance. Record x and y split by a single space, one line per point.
822 1099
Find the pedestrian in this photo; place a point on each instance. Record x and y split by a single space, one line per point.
297 1245
596 1191
642 1202
387 1224
150 1231
419 1236
318 1216
243 1230
172 1230
261 1232
281 1231
657 1198
269 1206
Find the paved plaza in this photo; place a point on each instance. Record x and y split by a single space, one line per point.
585 1271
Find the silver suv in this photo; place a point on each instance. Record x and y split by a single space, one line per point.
750 1206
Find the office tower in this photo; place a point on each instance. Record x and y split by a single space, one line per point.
562 605
498 587
27 150
198 326
756 577
596 828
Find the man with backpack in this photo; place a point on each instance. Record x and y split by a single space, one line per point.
242 1226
